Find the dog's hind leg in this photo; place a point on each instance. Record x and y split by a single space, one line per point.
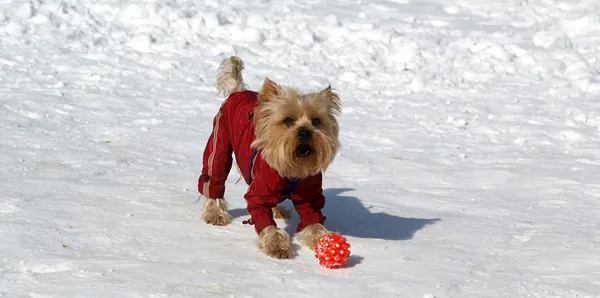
215 212
281 212
217 163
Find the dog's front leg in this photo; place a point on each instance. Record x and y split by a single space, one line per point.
215 212
311 233
310 228
274 242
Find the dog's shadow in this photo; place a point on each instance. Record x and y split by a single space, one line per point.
346 215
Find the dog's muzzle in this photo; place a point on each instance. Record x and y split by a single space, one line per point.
304 151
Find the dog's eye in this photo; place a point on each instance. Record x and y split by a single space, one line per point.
316 121
288 121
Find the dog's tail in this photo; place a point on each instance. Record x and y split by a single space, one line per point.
230 78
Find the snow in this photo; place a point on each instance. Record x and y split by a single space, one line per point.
469 167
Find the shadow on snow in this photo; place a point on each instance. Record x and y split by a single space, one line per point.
349 217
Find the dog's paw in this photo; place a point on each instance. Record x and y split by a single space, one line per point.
280 253
216 219
275 243
215 212
310 234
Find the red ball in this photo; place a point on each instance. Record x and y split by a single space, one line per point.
332 250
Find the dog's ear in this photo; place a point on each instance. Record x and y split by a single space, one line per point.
333 100
269 90
329 93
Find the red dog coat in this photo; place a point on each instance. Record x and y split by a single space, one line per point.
233 132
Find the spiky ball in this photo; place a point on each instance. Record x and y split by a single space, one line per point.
332 250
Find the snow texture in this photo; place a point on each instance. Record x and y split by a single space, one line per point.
470 164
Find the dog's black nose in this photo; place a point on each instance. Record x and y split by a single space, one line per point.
304 135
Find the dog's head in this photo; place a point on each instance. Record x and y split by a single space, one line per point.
297 133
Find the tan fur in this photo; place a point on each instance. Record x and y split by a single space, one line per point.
230 78
278 141
215 212
281 212
274 242
309 235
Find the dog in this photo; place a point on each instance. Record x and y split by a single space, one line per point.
283 140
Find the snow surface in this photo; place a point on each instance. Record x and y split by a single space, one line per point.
470 163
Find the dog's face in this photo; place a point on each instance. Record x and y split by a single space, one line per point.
297 133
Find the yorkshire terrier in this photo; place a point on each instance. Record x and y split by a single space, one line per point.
283 140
